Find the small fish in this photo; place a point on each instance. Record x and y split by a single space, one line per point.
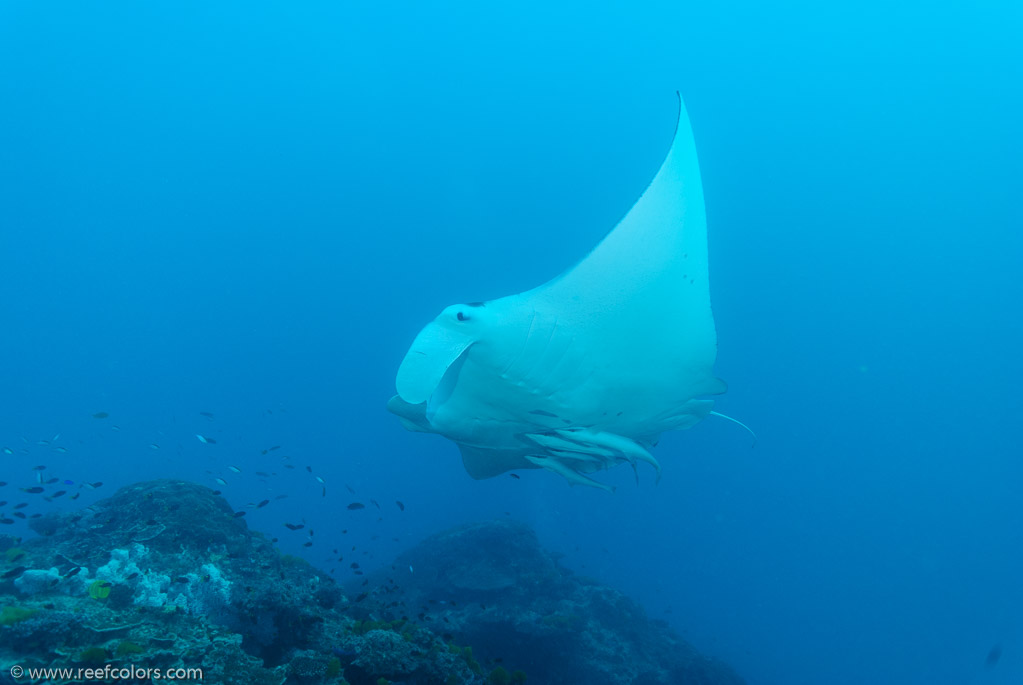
410 569
262 504
375 503
515 476
354 505
75 496
207 414
350 489
21 505
294 526
275 447
19 514
239 514
115 428
153 446
307 544
133 576
234 468
309 469
51 481
62 450
95 484
14 572
202 438
39 468
6 521
281 497
355 564
361 596
8 450
100 415
324 493
400 505
58 493
263 474
68 482
220 481
320 480
36 490
73 572
182 579
216 492
289 466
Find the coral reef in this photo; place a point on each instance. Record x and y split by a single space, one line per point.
492 586
163 575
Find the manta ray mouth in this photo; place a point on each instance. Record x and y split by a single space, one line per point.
442 393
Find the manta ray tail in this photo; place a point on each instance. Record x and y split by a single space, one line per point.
747 428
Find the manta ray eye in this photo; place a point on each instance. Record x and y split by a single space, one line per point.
462 317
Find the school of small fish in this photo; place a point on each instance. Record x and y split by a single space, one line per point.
52 489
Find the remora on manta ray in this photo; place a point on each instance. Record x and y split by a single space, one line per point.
587 370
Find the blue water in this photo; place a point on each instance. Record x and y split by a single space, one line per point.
250 209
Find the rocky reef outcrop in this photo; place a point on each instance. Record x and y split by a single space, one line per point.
165 575
492 586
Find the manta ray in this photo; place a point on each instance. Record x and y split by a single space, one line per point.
586 371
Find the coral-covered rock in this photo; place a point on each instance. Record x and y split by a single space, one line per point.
492 586
163 575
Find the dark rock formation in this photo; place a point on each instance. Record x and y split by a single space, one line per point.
163 575
492 586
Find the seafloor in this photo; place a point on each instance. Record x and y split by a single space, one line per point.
163 574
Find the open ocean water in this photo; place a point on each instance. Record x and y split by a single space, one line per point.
230 220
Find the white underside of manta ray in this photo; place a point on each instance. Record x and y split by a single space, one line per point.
587 370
